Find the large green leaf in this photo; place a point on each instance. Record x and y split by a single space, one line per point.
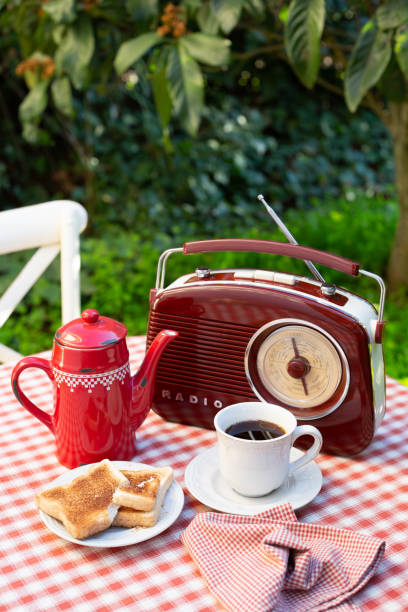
62 96
211 50
58 33
392 84
75 51
257 8
34 103
33 134
132 50
161 96
392 14
367 62
206 19
60 11
30 132
142 9
401 49
303 30
186 85
227 13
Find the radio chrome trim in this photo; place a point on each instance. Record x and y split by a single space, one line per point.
161 266
382 291
276 323
351 297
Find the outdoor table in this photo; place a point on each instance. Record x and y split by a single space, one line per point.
40 571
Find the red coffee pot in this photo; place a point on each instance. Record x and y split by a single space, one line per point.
98 405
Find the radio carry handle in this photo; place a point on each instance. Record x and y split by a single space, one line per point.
296 251
274 248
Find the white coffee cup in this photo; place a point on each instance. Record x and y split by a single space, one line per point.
256 467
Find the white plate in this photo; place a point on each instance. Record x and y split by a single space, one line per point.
119 536
204 481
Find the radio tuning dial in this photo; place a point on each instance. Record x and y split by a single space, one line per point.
298 365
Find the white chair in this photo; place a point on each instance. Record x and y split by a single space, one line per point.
52 228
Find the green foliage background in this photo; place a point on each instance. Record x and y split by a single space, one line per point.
328 173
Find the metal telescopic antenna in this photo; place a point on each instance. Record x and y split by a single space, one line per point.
290 237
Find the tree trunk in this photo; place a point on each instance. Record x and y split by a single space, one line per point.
397 275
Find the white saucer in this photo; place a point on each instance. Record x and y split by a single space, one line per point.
119 536
204 481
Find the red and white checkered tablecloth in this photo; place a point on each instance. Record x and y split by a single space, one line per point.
41 572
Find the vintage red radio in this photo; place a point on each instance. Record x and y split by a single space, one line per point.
246 334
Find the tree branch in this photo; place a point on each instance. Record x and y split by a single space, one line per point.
330 86
369 101
340 32
378 108
270 35
267 49
337 46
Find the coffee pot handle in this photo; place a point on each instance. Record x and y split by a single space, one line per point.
23 364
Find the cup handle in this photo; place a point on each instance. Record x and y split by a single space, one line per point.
312 452
23 364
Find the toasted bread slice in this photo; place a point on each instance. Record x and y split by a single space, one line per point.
129 517
85 505
144 487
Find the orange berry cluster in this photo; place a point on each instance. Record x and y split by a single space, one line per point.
173 20
40 11
89 4
45 67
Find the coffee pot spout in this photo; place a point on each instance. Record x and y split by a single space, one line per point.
143 380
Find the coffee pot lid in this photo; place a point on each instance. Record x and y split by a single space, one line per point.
91 330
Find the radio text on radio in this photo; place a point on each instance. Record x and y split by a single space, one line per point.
191 399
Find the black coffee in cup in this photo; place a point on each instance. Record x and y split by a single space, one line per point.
255 430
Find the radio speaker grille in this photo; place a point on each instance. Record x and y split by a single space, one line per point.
206 355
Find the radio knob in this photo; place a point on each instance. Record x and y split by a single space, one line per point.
298 367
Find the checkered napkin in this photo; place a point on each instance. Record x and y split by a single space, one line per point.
270 561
